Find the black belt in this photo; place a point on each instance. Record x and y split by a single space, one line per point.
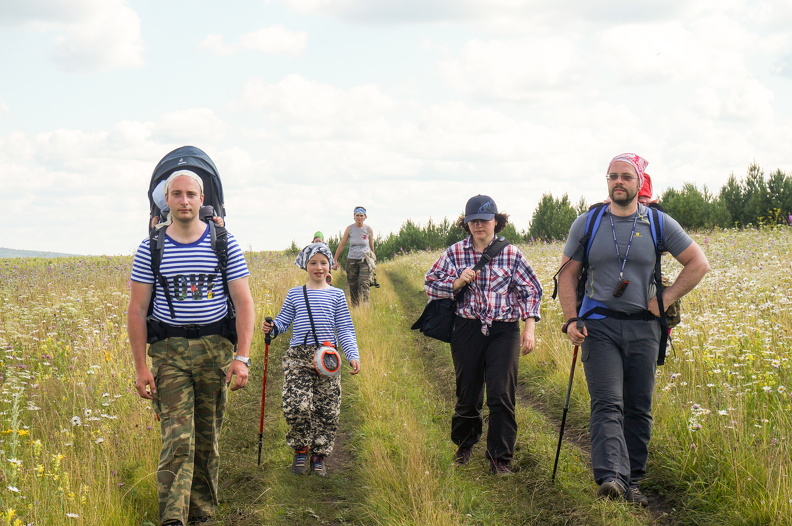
192 331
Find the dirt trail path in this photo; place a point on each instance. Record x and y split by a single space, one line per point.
576 436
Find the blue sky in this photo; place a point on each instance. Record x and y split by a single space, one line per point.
310 107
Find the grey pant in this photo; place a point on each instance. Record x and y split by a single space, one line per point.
620 357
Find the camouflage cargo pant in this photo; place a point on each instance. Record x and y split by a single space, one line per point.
311 402
190 401
359 279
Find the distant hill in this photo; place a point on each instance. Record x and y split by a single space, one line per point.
13 253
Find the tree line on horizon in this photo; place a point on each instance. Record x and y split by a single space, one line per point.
751 202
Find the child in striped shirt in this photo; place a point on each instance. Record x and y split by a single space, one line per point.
318 314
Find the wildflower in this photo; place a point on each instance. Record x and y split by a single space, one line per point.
781 389
766 388
87 412
99 440
72 516
14 489
76 421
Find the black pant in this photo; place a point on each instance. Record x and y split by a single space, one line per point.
481 360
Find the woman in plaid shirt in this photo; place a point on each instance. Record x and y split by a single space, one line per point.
486 342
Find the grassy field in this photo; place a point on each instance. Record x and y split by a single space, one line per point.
78 446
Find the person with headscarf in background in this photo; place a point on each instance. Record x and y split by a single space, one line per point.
361 240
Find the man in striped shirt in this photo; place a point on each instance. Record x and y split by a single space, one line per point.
192 358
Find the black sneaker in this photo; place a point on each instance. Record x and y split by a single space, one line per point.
635 496
317 465
500 467
611 489
463 454
300 463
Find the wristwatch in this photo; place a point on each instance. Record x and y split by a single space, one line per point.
243 359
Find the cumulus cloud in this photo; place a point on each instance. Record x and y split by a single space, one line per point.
499 15
314 109
108 39
390 11
195 124
89 35
275 40
516 70
32 12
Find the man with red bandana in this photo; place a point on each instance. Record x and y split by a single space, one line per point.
620 343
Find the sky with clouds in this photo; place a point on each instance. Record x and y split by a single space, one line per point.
407 107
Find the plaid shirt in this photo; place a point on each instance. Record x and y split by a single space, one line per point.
507 289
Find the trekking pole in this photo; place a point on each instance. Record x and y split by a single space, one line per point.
267 340
580 325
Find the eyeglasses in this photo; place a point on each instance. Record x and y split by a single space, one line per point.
627 178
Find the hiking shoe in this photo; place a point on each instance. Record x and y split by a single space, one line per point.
317 465
462 455
635 496
611 489
500 467
300 463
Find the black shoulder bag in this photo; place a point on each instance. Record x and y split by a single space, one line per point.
437 319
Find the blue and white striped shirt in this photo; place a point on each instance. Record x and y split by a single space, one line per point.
194 281
330 315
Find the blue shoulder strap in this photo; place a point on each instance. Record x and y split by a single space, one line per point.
657 226
593 221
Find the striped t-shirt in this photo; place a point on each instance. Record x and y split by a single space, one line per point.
330 315
194 281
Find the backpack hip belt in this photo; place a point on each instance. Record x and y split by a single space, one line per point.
159 330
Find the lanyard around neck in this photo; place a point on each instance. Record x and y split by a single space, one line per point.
622 262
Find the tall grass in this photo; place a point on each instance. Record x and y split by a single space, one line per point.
723 412
78 446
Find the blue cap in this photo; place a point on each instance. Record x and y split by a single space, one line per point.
480 207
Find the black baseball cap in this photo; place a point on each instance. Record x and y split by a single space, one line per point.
480 207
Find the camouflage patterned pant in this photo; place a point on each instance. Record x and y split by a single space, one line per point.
359 279
190 401
311 402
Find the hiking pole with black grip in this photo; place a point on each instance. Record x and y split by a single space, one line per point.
580 325
267 340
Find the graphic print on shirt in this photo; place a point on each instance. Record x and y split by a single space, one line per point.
192 286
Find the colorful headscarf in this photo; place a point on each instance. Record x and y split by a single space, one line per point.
310 251
637 162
